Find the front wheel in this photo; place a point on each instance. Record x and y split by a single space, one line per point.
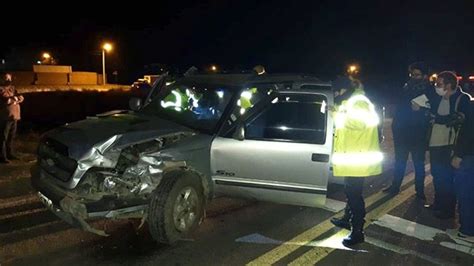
176 207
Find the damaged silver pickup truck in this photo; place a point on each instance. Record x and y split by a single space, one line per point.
265 137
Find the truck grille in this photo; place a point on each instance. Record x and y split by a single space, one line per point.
53 158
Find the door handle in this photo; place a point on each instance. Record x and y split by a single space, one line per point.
319 157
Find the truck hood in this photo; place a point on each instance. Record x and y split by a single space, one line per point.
80 137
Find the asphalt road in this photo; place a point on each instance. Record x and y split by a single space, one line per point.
400 231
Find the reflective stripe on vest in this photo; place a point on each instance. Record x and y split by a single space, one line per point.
357 158
176 104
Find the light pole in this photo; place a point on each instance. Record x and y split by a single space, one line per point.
47 59
107 47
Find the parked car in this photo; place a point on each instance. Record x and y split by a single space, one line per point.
265 137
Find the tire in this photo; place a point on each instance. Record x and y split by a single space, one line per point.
176 207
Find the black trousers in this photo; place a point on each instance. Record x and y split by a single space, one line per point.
443 177
7 134
355 208
402 149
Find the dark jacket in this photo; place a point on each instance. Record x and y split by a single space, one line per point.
408 125
465 142
459 98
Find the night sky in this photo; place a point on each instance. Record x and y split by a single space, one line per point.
317 37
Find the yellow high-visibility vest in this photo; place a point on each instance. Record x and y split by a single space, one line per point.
356 142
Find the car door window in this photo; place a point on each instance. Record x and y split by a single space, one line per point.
291 117
246 100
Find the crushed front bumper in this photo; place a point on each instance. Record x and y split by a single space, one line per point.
63 204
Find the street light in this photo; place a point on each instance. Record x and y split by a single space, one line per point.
353 69
47 59
107 47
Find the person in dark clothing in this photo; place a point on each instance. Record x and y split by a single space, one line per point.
410 127
463 163
9 116
449 108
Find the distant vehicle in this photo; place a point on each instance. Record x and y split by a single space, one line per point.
468 85
141 88
141 84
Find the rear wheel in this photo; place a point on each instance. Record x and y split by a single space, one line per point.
176 207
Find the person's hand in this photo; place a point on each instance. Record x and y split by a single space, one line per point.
455 119
415 106
21 98
456 162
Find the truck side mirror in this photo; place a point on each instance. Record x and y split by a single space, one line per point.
135 104
239 133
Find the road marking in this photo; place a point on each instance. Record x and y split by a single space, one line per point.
408 228
309 235
423 232
458 247
403 251
333 205
332 242
452 233
315 255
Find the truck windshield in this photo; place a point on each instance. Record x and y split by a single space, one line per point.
196 106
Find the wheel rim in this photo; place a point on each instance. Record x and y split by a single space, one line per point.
185 209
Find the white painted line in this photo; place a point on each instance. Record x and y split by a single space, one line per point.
452 233
461 248
423 232
408 228
333 205
334 241
403 251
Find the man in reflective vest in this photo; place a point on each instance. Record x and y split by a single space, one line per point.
356 154
178 99
245 101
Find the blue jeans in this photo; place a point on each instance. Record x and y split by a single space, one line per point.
464 178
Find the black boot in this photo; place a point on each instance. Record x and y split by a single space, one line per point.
341 222
356 236
344 221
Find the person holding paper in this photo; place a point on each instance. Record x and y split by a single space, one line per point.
410 127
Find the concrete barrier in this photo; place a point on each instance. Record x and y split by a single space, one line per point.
83 78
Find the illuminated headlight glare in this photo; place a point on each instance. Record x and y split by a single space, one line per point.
109 183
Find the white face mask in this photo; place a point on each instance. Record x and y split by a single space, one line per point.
440 91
